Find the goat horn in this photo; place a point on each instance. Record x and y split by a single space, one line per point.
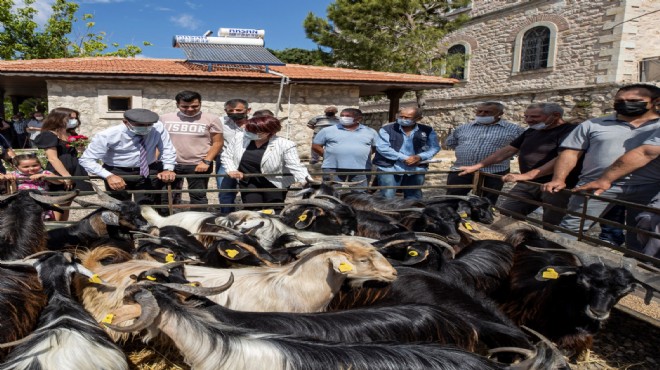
202 290
302 192
528 353
584 258
396 242
387 212
323 204
631 265
329 197
231 237
346 183
8 196
103 196
150 311
17 342
34 255
228 229
461 197
438 242
108 205
49 199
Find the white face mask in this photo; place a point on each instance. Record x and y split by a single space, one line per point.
487 120
72 123
140 130
252 136
538 126
346 121
38 118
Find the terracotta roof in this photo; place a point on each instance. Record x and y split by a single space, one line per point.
179 68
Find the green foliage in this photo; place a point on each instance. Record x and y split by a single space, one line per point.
22 38
385 35
316 57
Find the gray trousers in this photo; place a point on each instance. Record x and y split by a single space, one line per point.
640 194
533 192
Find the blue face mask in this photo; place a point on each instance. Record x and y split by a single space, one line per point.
72 123
405 122
140 130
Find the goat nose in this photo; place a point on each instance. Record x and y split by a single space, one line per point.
601 314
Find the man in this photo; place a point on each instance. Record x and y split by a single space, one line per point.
237 111
537 150
403 146
34 126
130 149
318 123
346 147
197 137
601 141
475 141
19 125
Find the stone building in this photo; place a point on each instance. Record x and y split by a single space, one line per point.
572 52
103 88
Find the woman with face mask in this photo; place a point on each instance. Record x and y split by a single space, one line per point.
259 151
62 157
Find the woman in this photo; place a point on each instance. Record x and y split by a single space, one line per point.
62 157
260 151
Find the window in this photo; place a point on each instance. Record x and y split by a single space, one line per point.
119 103
456 61
535 49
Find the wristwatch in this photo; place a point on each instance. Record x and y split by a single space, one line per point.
207 162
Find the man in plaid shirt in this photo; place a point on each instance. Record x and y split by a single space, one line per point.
478 139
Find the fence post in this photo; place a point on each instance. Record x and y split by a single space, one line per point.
478 183
170 199
582 218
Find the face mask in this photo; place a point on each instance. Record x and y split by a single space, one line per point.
631 108
405 122
73 123
237 116
191 115
253 136
538 126
346 121
487 120
38 118
140 130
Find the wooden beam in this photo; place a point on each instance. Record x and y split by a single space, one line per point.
395 97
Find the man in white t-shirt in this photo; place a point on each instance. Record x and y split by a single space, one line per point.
197 137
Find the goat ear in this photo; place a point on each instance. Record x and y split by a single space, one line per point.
306 219
341 264
554 272
110 218
233 252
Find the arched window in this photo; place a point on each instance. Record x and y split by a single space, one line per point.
456 61
535 49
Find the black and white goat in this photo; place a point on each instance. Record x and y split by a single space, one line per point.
67 337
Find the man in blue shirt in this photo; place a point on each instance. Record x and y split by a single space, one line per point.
403 146
346 147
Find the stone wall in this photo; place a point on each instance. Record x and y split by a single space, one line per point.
307 101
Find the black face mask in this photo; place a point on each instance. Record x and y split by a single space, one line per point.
237 116
631 108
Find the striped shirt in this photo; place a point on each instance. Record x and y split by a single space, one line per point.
473 142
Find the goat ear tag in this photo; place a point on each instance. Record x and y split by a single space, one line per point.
95 279
267 211
550 273
345 267
151 278
108 319
231 253
463 214
304 221
302 217
169 258
413 253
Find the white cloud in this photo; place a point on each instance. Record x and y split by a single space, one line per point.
44 11
101 1
186 21
163 9
192 5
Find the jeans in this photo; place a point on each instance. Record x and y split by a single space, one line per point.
489 182
193 184
641 194
226 183
613 234
347 178
533 192
385 179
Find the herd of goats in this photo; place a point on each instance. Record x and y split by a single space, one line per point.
333 281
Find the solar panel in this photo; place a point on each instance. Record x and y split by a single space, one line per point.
228 54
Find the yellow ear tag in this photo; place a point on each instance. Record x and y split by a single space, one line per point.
413 253
345 267
169 258
267 211
108 318
231 252
463 214
550 273
493 209
302 217
95 279
194 283
468 226
151 278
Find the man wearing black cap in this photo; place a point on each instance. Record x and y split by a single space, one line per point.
318 123
130 149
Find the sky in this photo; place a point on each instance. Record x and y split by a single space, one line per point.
158 21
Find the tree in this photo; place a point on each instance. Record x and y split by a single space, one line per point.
316 57
22 38
386 35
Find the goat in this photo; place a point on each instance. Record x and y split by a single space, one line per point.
21 301
194 222
23 232
565 295
114 220
478 209
66 337
217 345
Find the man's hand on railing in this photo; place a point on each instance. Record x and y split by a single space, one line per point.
554 186
466 170
598 186
515 177
235 175
116 182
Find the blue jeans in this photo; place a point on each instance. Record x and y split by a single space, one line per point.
640 194
347 178
385 179
227 183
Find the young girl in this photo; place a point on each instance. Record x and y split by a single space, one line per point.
30 175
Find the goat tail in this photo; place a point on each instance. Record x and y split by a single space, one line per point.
151 215
521 236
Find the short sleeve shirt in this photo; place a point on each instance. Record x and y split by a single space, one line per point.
191 136
605 139
346 149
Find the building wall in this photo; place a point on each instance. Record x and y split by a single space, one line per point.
307 101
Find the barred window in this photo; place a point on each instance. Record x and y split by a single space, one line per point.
456 61
535 49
